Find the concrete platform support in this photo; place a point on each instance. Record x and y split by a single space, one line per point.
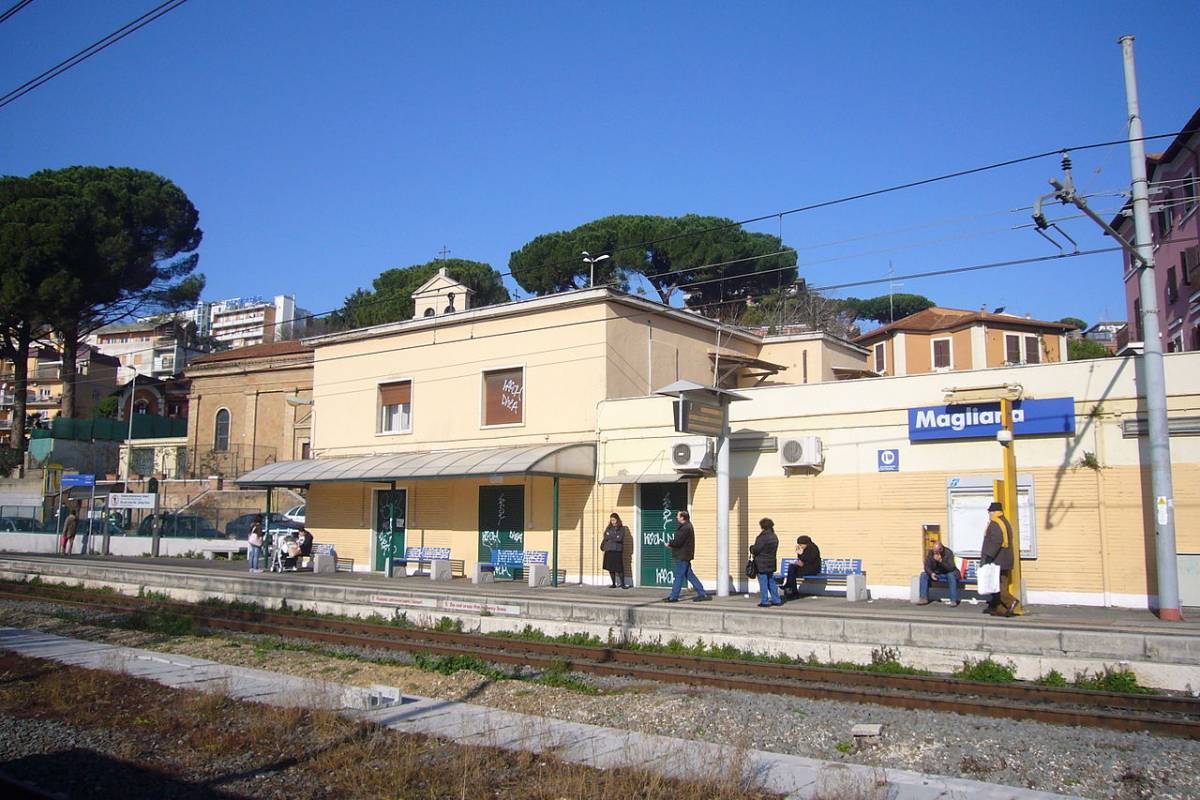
480 575
324 565
914 589
539 575
856 588
439 570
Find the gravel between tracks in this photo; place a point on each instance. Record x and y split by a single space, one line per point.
1077 761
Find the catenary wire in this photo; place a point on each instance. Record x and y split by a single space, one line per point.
14 9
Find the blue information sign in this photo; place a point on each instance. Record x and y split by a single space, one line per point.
1054 415
78 479
889 460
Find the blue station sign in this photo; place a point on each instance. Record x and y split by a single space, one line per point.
78 479
1049 417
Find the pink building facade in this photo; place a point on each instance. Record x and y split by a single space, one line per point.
1174 177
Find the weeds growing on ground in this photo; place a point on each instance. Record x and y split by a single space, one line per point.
1054 679
448 625
987 671
1111 680
448 665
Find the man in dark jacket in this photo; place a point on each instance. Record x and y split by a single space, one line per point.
940 567
683 550
997 549
765 550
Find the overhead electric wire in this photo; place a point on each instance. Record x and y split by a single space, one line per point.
89 51
14 9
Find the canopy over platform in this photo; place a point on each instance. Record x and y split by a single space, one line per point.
552 460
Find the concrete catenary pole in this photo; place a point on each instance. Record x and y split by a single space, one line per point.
723 503
1154 386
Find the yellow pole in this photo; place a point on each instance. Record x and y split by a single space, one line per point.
1008 496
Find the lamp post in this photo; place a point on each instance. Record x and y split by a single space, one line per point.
591 262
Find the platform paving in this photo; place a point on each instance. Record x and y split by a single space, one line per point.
1069 639
592 745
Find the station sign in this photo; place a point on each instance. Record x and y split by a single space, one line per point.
1048 417
131 500
699 419
889 460
75 479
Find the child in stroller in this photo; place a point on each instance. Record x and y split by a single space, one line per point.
285 551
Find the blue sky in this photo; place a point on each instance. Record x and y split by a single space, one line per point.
326 142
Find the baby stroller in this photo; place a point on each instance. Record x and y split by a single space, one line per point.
285 551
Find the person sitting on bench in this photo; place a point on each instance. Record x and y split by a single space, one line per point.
305 539
939 567
808 562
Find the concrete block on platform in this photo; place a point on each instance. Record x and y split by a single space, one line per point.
856 588
439 570
914 589
829 628
539 575
875 631
600 614
480 574
1173 649
648 617
767 622
1104 644
1001 638
548 610
962 637
324 565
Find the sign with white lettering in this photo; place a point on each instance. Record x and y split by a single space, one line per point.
78 479
889 460
131 500
1054 415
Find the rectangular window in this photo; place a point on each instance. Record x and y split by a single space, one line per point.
1166 216
1172 290
1033 350
880 358
1189 194
504 397
1012 349
395 407
941 354
1189 264
1137 318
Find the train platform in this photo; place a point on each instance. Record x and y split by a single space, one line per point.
938 637
795 777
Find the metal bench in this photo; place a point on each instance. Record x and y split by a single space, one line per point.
840 575
968 580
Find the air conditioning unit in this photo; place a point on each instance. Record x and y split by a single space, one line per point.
693 454
801 451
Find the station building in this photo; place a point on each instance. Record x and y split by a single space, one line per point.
474 435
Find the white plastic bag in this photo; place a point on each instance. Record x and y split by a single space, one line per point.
988 577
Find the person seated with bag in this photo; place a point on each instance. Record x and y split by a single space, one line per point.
763 556
808 562
939 567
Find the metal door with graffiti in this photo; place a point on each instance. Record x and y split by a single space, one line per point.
502 529
657 508
389 525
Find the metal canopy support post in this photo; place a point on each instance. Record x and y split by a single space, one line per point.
1009 499
91 514
554 539
723 504
388 566
156 524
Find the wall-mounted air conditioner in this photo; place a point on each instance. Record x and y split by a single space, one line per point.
800 451
692 454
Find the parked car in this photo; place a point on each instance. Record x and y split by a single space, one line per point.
19 525
296 514
179 525
239 527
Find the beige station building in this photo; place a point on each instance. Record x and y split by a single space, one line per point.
475 434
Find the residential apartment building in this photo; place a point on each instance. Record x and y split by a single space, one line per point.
247 321
96 377
153 347
950 339
1106 333
1174 177
248 407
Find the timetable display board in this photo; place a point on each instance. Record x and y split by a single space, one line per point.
967 500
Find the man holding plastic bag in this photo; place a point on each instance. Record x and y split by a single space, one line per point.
996 562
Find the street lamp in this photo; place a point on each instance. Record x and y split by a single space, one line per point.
591 262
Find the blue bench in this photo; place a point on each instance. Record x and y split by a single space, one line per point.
968 579
518 559
340 564
845 574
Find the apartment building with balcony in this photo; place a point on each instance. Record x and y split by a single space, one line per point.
153 348
247 321
96 377
1174 177
951 339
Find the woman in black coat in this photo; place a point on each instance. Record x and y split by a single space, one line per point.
765 550
808 562
613 546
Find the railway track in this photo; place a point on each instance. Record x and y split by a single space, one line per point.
1167 715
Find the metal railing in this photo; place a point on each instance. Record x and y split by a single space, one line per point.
238 459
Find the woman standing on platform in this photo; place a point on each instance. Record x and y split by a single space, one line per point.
613 546
765 551
255 540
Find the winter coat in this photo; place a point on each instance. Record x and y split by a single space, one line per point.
765 551
809 561
942 566
994 550
614 538
683 546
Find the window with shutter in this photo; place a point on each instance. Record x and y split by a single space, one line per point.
1012 349
941 354
504 397
880 358
395 407
1033 350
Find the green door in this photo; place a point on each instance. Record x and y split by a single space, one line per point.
389 526
659 503
502 529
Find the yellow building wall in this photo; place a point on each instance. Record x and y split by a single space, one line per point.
918 358
960 349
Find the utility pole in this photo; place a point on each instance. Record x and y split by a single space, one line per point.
1152 378
1155 385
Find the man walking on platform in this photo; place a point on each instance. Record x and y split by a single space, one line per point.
683 550
997 549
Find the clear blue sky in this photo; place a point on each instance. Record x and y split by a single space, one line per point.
326 142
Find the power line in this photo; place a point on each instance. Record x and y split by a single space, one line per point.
14 9
89 51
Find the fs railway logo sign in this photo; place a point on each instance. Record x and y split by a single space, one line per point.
1049 417
889 460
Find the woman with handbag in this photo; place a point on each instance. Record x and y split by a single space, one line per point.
613 545
763 554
